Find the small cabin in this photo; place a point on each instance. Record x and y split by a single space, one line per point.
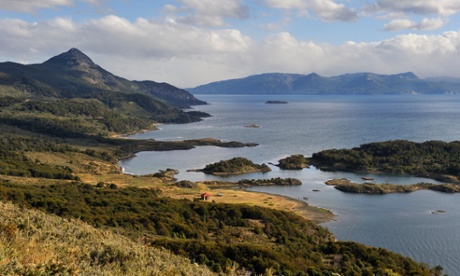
205 196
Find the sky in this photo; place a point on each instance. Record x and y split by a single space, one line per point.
192 42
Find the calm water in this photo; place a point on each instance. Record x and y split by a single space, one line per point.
400 222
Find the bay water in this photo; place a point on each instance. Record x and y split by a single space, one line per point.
403 223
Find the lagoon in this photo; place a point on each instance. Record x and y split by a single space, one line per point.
399 222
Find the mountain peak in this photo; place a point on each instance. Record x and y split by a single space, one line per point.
73 57
408 76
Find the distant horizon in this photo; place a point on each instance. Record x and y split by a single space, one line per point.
443 78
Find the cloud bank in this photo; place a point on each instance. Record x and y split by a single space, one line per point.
194 43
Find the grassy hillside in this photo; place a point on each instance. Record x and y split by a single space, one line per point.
36 243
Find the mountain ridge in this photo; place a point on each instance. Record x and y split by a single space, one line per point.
69 94
74 74
364 83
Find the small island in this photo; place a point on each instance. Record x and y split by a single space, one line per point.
237 165
293 162
345 185
278 181
276 102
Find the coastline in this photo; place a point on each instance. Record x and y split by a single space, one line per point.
316 214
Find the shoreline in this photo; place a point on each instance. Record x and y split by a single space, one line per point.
317 215
229 194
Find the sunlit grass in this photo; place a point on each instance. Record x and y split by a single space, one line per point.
35 243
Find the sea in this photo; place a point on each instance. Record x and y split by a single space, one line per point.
408 224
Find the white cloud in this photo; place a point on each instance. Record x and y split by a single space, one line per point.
431 23
188 56
327 10
331 11
31 6
112 35
423 7
425 25
287 4
399 24
207 12
400 12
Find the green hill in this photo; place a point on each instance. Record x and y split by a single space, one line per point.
69 95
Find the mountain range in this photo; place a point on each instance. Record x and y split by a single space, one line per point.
314 84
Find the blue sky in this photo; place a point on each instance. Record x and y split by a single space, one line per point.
193 42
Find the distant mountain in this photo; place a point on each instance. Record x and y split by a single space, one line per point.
313 84
74 74
444 79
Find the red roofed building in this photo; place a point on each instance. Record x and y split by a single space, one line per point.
205 196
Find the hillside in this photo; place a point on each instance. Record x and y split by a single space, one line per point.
69 95
225 237
35 243
314 84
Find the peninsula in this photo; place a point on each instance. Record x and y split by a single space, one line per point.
431 159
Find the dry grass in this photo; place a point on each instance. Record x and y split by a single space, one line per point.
35 243
240 196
